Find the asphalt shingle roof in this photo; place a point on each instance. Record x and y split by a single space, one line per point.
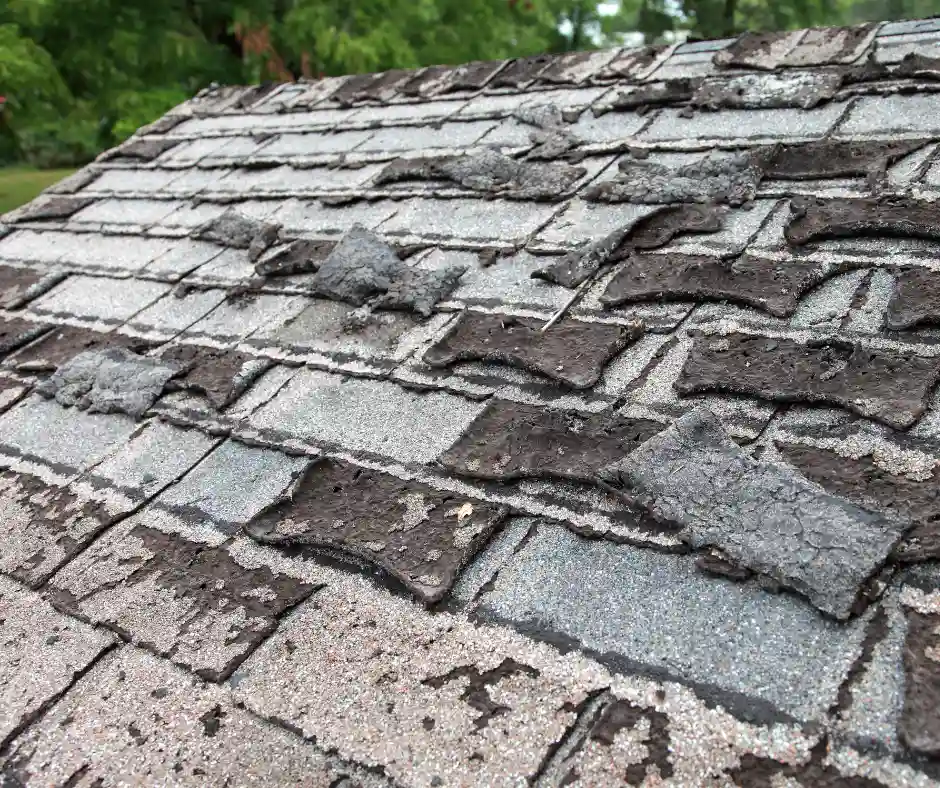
568 421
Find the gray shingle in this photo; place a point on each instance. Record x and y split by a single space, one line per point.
98 300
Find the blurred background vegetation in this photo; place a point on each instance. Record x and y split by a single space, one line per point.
79 76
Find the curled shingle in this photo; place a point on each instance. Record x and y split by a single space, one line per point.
727 178
818 219
235 230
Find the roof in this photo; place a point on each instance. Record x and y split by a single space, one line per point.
569 420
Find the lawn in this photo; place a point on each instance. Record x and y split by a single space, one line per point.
20 184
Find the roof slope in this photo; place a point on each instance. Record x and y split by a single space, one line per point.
568 420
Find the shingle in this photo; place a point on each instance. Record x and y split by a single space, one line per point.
119 181
137 212
370 416
659 614
611 127
582 222
233 484
403 114
31 246
290 146
42 653
98 300
893 116
467 220
175 312
185 733
769 124
111 253
68 440
181 258
236 319
448 136
299 216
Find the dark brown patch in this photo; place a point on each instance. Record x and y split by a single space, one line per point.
352 88
817 219
58 346
296 257
880 385
862 481
472 76
623 715
476 694
522 71
660 227
214 373
210 582
814 48
510 441
570 352
757 772
919 726
417 535
752 50
835 159
49 511
563 69
383 86
16 333
915 300
425 82
20 285
713 563
773 286
630 62
53 208
142 149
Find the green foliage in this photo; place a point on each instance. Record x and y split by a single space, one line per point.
82 75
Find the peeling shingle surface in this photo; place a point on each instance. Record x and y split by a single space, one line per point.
390 329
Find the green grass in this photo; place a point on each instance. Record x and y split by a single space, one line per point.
19 185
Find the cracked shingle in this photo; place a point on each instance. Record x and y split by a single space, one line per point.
488 171
915 300
362 266
109 381
762 515
730 178
570 352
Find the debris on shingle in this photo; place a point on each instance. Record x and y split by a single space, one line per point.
488 171
773 286
728 178
363 266
237 231
301 256
522 71
647 232
655 94
213 611
49 208
876 481
140 148
550 133
919 725
62 343
882 385
265 238
16 333
418 535
800 89
915 300
918 66
629 63
109 381
512 440
222 376
571 352
818 219
836 158
763 515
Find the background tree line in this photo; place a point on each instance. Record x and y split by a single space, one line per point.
79 76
